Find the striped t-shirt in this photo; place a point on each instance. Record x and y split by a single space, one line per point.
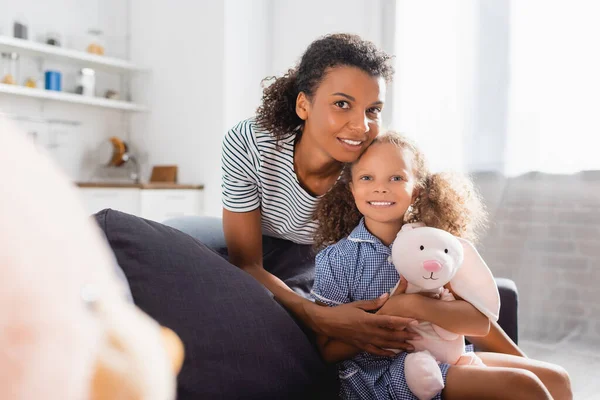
258 174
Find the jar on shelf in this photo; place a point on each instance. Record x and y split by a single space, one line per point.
54 38
31 82
20 30
95 42
86 82
10 68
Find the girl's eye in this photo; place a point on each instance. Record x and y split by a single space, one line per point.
342 104
397 178
365 178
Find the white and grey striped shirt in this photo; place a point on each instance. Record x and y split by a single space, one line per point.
257 174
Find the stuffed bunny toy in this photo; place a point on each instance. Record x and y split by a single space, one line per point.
67 330
430 258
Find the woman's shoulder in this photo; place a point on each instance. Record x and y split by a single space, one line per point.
243 131
253 135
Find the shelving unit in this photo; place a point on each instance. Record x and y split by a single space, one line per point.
71 57
74 57
70 98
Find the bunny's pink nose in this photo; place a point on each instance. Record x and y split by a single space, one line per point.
432 266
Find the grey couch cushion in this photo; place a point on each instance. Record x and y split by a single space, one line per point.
239 343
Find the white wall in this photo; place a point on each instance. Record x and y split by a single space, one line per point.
207 60
553 119
297 23
248 49
451 87
435 85
72 146
485 144
183 43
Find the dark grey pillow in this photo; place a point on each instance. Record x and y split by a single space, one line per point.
239 343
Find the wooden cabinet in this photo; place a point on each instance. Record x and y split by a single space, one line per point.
154 202
160 205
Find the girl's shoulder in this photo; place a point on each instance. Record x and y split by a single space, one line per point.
344 250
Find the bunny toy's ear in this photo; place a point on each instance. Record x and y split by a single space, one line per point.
475 283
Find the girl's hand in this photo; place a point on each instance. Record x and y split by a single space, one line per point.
401 304
397 303
401 289
353 324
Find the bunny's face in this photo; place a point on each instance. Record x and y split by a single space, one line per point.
427 257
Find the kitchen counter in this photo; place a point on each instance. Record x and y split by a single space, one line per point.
150 185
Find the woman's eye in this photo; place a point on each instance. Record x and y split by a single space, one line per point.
374 110
342 104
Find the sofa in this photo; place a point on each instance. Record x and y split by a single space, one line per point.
239 342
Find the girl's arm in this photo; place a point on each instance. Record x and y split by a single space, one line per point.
497 341
456 316
348 322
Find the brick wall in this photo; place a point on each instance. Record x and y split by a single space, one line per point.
545 235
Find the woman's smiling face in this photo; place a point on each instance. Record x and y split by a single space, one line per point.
343 116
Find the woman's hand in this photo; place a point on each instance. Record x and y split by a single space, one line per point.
353 324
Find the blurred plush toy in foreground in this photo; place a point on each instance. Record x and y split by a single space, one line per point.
67 330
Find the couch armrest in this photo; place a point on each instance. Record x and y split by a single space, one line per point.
509 303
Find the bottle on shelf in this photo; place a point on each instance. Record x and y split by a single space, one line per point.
86 82
95 42
10 68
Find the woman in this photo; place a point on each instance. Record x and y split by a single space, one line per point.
315 118
312 120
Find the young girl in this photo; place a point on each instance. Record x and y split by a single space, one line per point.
390 185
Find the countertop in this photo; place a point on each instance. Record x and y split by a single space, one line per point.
151 185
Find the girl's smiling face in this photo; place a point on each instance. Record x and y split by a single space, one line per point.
383 183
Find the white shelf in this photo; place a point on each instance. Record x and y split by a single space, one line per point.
70 98
83 59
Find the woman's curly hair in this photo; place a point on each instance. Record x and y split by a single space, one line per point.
277 112
445 200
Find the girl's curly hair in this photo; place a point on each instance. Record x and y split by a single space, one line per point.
446 201
277 112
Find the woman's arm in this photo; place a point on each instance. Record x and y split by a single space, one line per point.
456 316
333 350
243 235
347 322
